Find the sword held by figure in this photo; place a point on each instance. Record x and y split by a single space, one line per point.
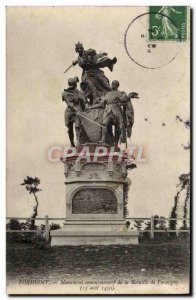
68 68
72 65
94 122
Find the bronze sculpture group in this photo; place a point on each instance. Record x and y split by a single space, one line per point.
101 113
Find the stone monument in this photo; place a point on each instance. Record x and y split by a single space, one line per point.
96 172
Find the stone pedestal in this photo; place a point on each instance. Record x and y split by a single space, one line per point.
95 202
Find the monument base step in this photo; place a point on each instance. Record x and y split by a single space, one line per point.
94 237
94 226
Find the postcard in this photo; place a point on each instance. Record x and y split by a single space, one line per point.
98 150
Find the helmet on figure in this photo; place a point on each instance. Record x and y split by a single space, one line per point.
115 84
73 81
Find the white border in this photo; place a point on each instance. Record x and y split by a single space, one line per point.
3 4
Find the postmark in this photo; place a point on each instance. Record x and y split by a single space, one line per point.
167 23
150 54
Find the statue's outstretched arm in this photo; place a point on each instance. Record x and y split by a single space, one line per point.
133 95
98 105
161 10
158 15
102 54
101 104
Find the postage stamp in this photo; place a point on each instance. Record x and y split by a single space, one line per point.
167 23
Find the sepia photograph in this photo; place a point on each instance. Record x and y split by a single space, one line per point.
98 143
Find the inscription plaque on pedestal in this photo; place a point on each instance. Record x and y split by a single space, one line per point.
94 201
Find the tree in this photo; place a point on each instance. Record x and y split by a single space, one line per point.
173 223
31 184
184 184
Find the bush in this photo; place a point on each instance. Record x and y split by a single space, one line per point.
14 224
38 239
22 237
54 226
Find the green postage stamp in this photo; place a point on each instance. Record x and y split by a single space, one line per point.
167 23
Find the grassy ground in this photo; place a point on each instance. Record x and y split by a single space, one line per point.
146 260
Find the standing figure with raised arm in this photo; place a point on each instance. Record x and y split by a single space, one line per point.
94 83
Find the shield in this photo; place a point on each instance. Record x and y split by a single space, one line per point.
92 130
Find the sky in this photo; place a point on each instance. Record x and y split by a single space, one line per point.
40 46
